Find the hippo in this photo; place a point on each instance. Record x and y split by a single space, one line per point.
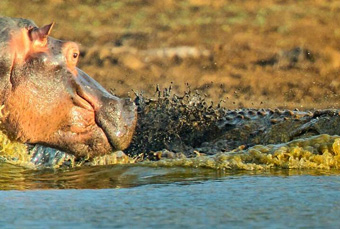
48 101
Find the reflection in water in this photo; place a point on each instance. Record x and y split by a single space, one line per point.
259 200
96 177
124 176
141 196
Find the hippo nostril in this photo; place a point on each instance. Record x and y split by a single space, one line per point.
128 104
112 103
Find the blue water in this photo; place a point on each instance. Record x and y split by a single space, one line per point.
143 197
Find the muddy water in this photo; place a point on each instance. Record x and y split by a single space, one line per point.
133 196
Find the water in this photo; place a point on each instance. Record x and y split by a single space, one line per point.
294 184
167 197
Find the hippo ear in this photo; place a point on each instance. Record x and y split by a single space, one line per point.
39 35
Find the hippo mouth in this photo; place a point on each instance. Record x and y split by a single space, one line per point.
82 102
85 103
116 117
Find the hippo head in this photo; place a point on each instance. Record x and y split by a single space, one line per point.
47 100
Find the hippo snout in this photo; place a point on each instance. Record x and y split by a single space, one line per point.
117 117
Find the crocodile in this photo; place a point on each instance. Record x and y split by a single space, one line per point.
189 125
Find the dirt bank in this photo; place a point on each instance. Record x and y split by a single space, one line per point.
249 53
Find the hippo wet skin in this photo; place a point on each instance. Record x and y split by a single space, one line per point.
47 100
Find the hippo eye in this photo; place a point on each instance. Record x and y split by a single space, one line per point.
70 51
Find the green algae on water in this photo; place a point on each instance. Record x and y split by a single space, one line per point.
14 152
317 152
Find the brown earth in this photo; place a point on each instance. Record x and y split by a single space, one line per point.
266 53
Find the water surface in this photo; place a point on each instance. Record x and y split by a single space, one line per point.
139 196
